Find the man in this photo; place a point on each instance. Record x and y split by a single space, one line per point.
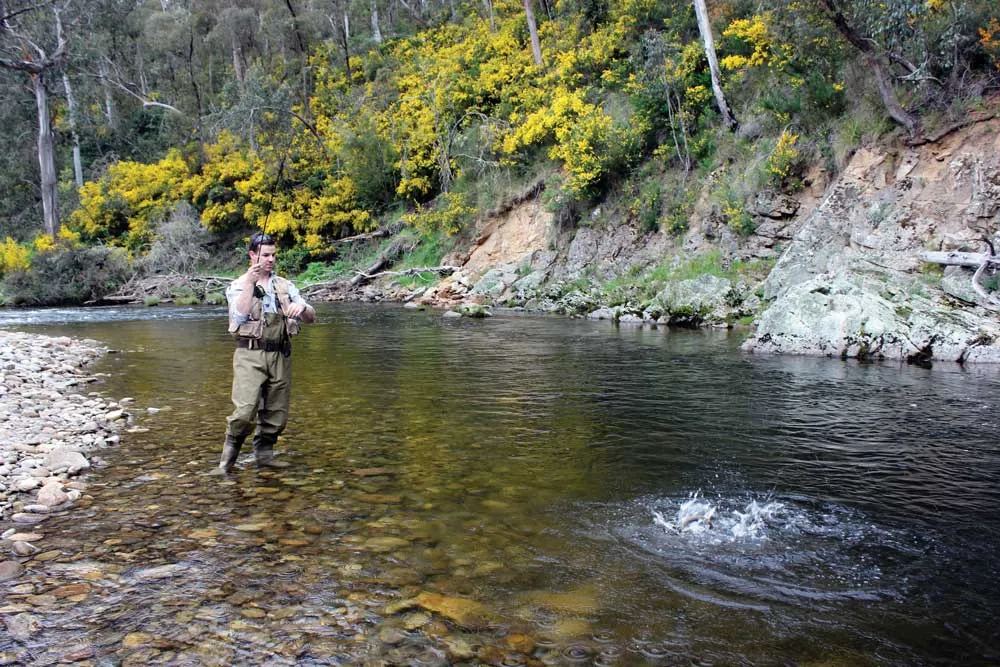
264 313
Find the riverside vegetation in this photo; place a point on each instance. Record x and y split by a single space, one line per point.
783 164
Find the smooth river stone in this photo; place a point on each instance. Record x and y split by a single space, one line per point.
23 626
25 537
252 527
10 569
24 548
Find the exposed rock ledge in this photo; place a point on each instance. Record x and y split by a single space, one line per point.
848 281
851 283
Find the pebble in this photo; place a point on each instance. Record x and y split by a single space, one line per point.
49 426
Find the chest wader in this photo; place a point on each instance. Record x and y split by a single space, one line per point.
262 387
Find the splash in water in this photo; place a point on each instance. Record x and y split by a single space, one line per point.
698 515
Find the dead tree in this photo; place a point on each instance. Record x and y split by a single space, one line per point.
37 63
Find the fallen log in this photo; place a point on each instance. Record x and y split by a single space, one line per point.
391 254
958 258
378 233
443 270
164 286
982 262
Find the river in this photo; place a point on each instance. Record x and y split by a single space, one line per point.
526 490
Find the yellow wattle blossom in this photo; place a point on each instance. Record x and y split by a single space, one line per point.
13 256
755 33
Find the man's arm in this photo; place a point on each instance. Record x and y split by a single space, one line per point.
240 294
298 308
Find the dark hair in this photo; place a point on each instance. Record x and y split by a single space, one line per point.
259 239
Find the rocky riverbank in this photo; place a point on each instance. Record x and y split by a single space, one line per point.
838 269
51 430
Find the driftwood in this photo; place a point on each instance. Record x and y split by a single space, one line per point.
443 270
166 286
378 233
959 258
982 261
391 254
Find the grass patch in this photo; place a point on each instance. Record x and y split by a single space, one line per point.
428 252
637 285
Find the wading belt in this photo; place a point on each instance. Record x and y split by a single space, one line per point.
267 346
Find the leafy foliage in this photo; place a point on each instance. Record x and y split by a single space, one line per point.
277 117
67 276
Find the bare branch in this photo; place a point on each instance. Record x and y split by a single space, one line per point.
14 13
145 102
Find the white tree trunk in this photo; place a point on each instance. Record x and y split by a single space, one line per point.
705 28
536 47
109 103
956 258
238 68
376 32
488 5
46 156
77 161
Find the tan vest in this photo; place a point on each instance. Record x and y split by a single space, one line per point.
270 327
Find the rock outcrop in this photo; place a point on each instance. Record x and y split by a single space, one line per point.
852 284
848 280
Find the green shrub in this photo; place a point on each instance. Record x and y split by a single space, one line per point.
290 261
215 298
68 277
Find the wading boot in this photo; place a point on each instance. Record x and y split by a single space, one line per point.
263 449
230 451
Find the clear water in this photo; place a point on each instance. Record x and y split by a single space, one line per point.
540 468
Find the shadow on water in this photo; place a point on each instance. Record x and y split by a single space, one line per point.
522 491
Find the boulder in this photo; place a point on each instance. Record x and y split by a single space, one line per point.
65 459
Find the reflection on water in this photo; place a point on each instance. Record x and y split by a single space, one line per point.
487 492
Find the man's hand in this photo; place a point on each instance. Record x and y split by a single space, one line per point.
298 311
255 273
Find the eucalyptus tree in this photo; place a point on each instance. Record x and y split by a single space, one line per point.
33 44
19 206
705 28
920 54
536 47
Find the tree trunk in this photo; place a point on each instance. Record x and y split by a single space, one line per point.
77 161
705 28
342 34
879 64
488 6
109 104
238 67
46 156
300 41
536 47
376 32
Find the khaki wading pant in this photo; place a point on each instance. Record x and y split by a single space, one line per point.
262 388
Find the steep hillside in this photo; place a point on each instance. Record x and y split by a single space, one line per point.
848 279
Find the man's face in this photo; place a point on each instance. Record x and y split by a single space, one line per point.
265 255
